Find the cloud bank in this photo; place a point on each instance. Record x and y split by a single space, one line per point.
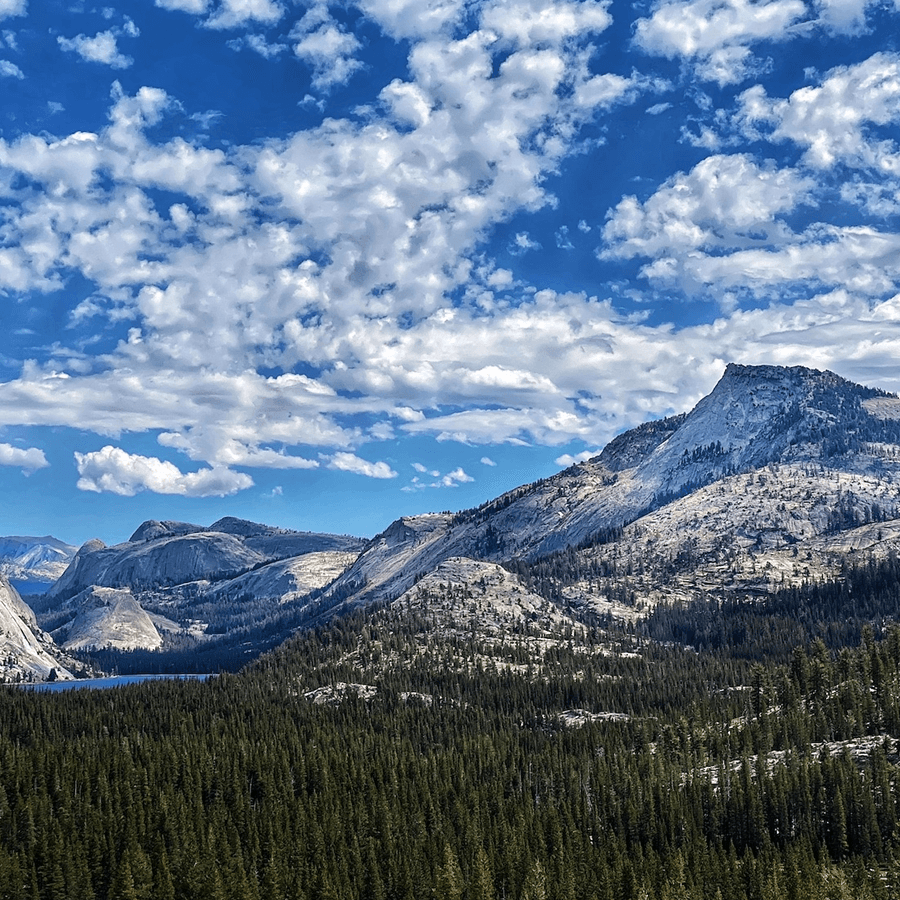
285 302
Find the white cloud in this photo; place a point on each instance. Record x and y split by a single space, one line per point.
722 228
723 202
236 13
10 70
333 251
487 461
29 460
455 478
328 51
717 34
521 243
450 480
530 22
112 470
350 462
844 16
414 19
101 48
834 121
567 459
195 7
258 43
563 241
12 8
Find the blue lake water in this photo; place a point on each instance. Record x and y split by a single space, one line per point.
110 682
30 587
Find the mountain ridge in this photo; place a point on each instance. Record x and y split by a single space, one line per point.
755 416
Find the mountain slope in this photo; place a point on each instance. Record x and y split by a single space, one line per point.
837 443
26 653
162 554
768 481
108 617
176 585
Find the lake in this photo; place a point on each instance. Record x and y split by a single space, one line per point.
109 682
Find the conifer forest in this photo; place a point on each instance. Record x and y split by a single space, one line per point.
373 759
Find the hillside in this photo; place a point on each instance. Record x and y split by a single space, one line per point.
756 484
173 586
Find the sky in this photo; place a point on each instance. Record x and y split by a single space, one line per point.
321 265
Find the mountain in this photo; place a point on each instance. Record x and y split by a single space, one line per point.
108 618
163 554
34 560
176 585
773 459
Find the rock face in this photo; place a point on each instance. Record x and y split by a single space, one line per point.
26 654
285 580
190 579
108 618
163 554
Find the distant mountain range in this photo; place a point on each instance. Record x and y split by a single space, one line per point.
773 479
34 560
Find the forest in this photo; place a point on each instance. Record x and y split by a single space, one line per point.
695 765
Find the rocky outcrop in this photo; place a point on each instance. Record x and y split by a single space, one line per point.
108 618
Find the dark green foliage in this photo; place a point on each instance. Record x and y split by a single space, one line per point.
737 776
771 626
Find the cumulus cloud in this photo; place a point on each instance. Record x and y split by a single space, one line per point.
333 251
10 70
844 16
521 243
101 48
414 19
449 480
350 462
716 35
326 47
260 45
112 470
237 13
563 241
28 460
195 7
13 8
723 228
724 202
567 459
456 477
836 122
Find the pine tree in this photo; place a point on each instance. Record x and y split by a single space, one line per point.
481 886
449 884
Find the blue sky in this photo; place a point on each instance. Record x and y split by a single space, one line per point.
324 264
